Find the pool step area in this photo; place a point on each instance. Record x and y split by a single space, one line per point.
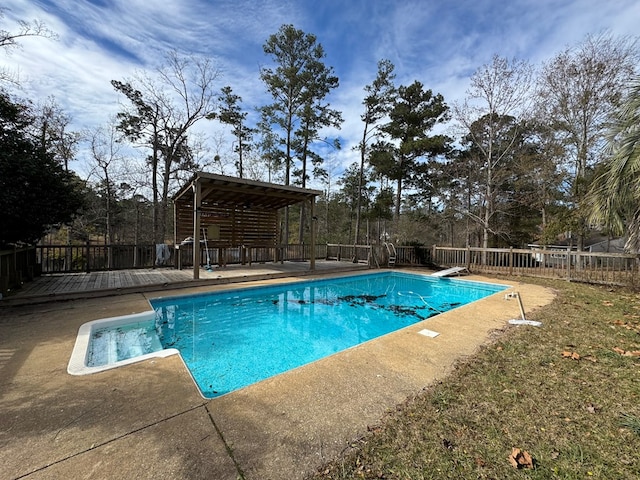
113 345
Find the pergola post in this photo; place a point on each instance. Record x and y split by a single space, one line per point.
313 234
197 206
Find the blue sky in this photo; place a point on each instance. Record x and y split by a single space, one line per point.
438 42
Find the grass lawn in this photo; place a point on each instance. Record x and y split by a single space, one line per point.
566 394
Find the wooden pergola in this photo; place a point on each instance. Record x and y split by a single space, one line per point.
235 212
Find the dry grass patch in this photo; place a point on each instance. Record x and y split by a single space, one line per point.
560 401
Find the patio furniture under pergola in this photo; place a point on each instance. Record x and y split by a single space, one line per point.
235 212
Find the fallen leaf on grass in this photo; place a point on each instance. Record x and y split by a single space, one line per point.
607 303
520 458
628 326
573 355
627 353
591 408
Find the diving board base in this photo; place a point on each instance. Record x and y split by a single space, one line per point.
448 272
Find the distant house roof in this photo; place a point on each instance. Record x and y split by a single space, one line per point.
593 242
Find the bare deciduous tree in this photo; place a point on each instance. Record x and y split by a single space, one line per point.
9 40
106 162
499 90
163 110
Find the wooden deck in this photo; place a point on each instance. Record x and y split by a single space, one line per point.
94 284
82 282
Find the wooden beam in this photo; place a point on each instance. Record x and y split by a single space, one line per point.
197 206
313 222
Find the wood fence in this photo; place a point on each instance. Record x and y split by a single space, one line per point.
23 264
377 256
571 265
90 258
17 266
246 255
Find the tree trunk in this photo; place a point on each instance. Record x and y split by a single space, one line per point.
287 180
398 200
164 203
304 185
154 187
360 182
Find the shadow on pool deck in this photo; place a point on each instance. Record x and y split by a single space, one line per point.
148 420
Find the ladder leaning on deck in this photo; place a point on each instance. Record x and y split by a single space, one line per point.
391 251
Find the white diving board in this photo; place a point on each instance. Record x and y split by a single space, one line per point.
450 271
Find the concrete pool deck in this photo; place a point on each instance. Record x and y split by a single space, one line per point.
148 420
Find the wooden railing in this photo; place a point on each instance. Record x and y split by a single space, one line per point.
17 266
23 264
413 255
378 255
349 253
245 255
588 267
88 257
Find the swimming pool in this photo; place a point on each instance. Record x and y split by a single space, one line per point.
231 339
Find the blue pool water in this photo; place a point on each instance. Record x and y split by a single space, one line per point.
234 338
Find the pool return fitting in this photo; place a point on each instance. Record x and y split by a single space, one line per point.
523 320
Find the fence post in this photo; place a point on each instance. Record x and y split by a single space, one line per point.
468 257
88 253
510 260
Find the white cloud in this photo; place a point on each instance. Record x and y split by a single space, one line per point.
438 42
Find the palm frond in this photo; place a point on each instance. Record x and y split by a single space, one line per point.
615 194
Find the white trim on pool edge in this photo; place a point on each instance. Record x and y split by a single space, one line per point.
78 362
